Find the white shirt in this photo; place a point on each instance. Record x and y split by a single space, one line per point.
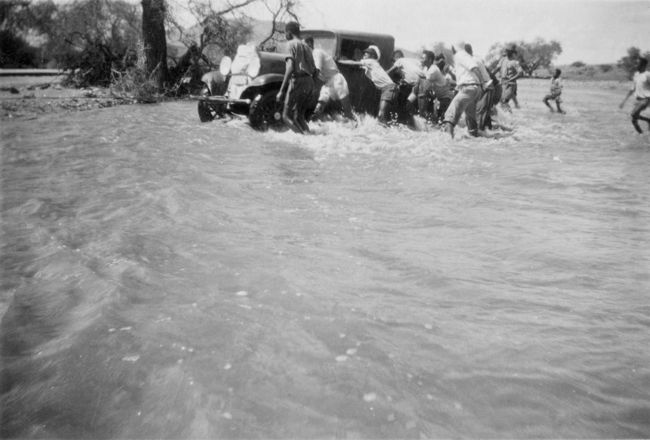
463 64
411 69
326 64
641 84
556 86
376 73
482 70
439 81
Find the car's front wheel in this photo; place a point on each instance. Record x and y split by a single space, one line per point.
265 112
205 110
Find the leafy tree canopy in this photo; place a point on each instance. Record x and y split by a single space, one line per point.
532 54
629 61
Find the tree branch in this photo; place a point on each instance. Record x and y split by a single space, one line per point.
234 7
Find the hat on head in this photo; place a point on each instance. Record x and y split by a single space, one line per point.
372 49
511 48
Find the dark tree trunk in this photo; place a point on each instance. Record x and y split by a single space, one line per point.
155 41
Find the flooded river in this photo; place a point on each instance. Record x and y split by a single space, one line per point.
163 278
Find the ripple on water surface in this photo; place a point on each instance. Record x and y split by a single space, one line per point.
167 278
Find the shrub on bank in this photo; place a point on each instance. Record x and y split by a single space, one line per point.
133 82
15 52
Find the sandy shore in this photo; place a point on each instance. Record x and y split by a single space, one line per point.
28 97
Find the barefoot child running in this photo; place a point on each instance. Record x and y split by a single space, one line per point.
556 92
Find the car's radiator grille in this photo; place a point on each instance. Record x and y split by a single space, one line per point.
237 85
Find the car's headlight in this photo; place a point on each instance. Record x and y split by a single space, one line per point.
253 68
224 65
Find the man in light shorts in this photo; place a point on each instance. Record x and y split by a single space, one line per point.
381 80
335 87
641 90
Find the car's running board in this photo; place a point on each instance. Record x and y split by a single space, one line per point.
221 99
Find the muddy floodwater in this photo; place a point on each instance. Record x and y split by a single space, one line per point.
163 278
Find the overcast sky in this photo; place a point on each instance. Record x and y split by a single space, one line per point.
593 31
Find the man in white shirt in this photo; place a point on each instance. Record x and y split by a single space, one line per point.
409 68
335 87
641 89
469 85
488 99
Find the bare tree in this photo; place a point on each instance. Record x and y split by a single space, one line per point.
280 10
224 25
229 25
219 23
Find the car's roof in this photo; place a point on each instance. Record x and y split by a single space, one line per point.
353 34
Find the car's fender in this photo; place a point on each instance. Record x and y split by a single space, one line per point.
266 79
262 84
216 82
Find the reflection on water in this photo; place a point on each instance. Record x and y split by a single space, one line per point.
164 278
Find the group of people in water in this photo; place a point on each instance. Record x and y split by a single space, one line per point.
439 93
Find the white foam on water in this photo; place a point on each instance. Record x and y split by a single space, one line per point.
369 138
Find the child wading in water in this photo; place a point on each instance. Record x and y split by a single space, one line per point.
556 92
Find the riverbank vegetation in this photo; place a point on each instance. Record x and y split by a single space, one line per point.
128 46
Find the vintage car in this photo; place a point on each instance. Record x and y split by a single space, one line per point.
248 84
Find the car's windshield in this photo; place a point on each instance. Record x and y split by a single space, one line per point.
326 43
353 49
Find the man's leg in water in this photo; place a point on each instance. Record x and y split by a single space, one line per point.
639 106
323 99
465 100
382 115
506 97
318 111
470 116
347 109
289 110
300 119
514 96
388 95
443 105
545 100
304 95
